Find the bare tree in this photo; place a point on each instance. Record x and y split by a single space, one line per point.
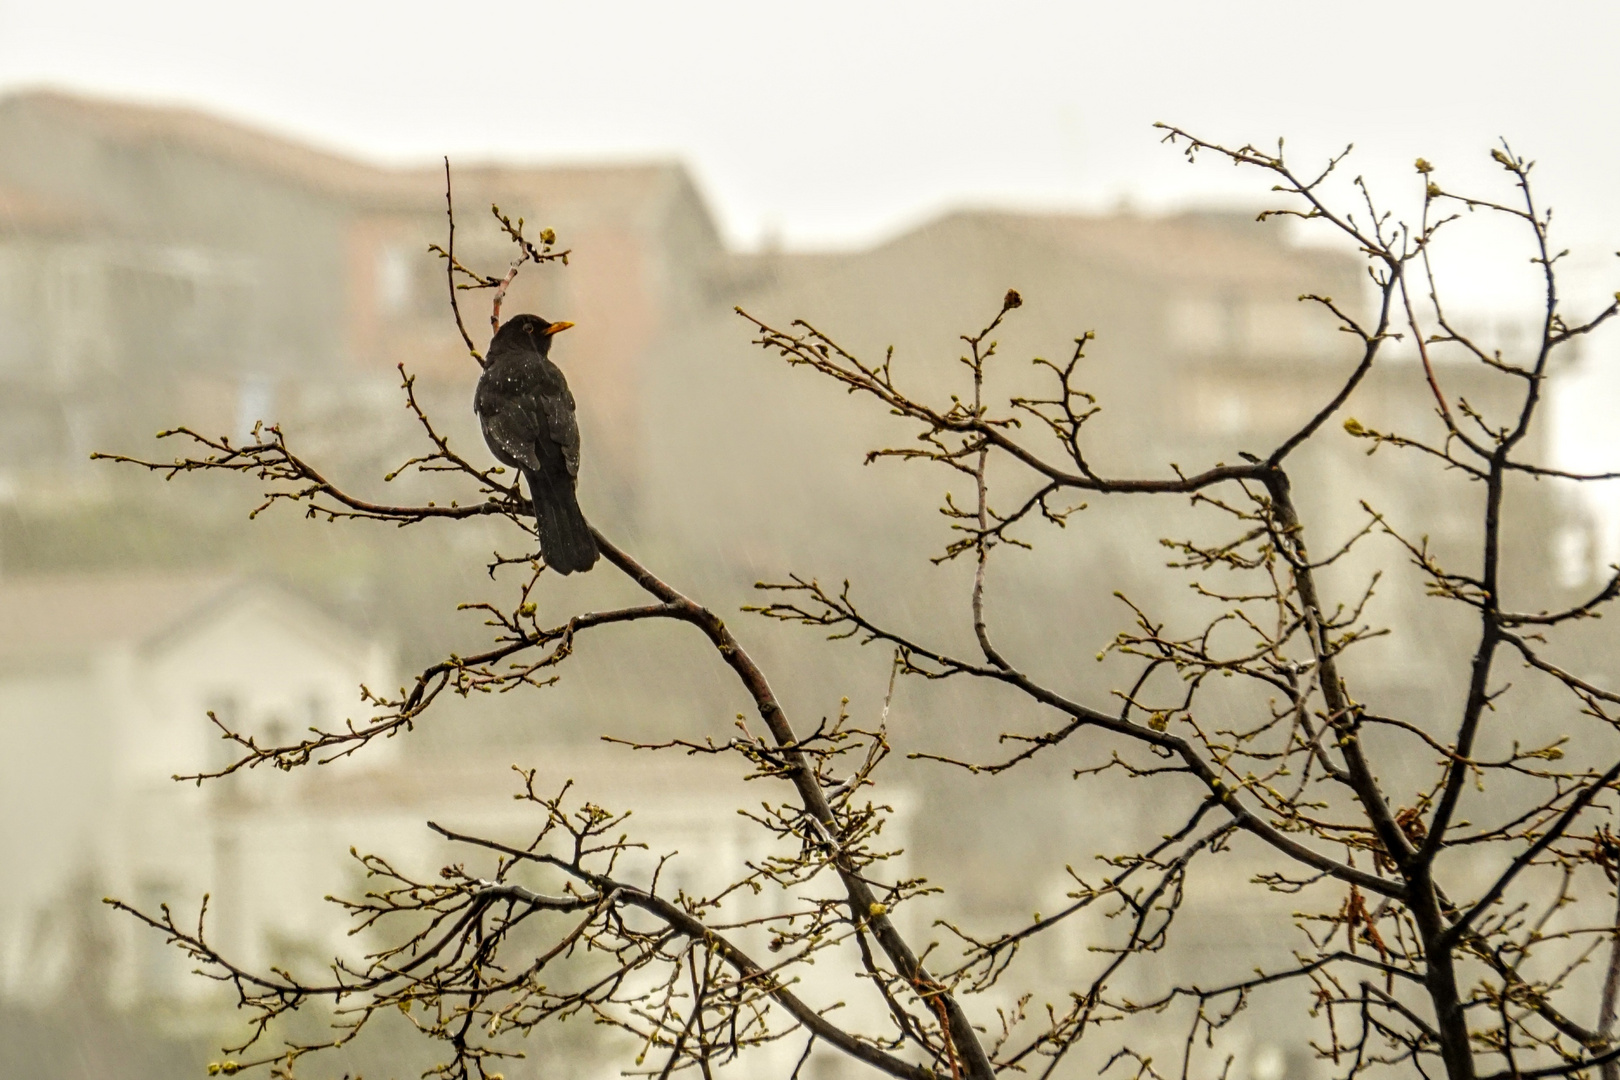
1406 961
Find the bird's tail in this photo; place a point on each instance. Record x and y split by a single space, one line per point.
565 538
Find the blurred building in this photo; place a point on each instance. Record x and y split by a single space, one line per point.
159 266
154 260
1203 351
105 682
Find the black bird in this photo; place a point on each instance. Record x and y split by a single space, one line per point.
527 414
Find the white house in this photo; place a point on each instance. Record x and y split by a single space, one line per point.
105 683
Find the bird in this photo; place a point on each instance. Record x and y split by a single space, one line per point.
527 414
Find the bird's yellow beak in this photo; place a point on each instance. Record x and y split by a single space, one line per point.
557 328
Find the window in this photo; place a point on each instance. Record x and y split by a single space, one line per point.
394 284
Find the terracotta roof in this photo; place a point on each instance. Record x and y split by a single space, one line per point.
23 212
200 130
1189 248
407 188
605 185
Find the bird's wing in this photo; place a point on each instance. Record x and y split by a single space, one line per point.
557 406
511 429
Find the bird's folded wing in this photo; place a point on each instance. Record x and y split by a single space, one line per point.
513 429
561 425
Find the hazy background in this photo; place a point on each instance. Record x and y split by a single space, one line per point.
854 131
840 122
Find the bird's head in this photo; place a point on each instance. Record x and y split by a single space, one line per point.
528 332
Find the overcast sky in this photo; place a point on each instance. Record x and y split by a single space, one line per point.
842 121
838 121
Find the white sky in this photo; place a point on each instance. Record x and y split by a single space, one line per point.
842 121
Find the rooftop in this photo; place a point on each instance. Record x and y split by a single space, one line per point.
411 188
59 615
26 212
55 615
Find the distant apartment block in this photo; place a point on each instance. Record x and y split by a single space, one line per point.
158 263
